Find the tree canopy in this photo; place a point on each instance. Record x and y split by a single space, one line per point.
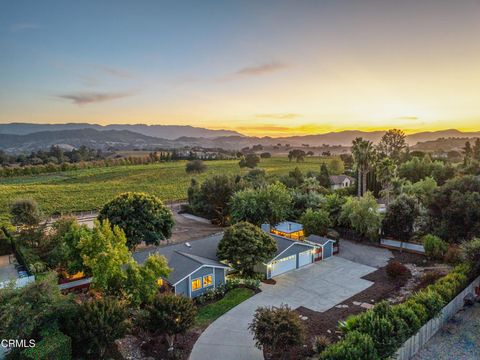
315 222
143 217
245 245
250 160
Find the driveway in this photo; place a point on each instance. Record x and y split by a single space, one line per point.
318 286
364 254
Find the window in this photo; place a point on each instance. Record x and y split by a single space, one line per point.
160 282
196 284
207 280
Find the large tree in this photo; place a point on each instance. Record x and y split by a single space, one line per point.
141 216
25 213
324 177
400 217
362 215
271 204
212 197
171 315
315 222
298 155
386 171
250 160
245 245
392 143
363 153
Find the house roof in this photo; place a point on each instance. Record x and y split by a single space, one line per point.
284 243
288 227
184 259
339 179
320 240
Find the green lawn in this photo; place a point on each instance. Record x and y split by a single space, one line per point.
208 313
89 189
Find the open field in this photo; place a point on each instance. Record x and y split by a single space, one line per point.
89 189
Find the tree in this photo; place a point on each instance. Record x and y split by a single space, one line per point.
141 216
141 280
25 312
470 251
271 204
336 166
315 222
195 166
468 154
245 245
454 209
212 197
25 213
324 177
422 190
250 160
385 171
277 329
435 248
392 143
363 155
333 205
362 215
104 252
400 217
305 200
298 155
171 315
98 324
265 155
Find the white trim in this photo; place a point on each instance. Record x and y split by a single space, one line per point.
189 286
295 243
200 267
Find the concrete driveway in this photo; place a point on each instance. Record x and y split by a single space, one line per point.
318 286
364 254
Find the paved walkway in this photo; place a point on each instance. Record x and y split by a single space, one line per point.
318 286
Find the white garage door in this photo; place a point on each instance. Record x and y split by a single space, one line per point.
283 265
304 258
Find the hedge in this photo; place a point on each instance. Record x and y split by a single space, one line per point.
389 326
5 242
53 346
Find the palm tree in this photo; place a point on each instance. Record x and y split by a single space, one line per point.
363 154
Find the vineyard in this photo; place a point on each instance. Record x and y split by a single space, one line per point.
89 189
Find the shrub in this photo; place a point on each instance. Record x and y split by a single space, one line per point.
419 310
435 248
453 255
5 243
195 166
320 343
355 346
408 315
432 301
54 345
396 269
253 284
471 252
277 329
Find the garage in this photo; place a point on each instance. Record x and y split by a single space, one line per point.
304 258
283 265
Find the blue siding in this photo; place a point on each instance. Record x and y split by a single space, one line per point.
219 277
294 250
327 250
182 287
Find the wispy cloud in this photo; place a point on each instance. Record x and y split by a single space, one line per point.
260 69
115 72
278 116
407 118
83 98
23 26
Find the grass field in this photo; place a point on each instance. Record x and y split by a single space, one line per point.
89 189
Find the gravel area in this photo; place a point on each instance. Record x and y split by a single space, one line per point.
459 339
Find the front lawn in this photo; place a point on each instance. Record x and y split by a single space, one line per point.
208 313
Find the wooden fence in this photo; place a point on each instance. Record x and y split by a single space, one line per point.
405 246
415 343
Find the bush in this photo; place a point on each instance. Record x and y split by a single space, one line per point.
5 242
195 166
471 253
320 343
435 248
432 301
53 346
407 314
253 284
396 269
453 255
277 329
355 346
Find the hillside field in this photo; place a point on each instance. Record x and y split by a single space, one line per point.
89 189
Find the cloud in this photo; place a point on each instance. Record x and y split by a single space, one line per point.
260 69
23 26
115 72
407 118
83 98
278 116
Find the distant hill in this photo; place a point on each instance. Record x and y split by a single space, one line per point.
444 144
120 139
169 132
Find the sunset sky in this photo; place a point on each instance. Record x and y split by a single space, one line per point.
259 67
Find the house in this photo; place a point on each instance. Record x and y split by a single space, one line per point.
340 181
195 266
288 229
292 254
